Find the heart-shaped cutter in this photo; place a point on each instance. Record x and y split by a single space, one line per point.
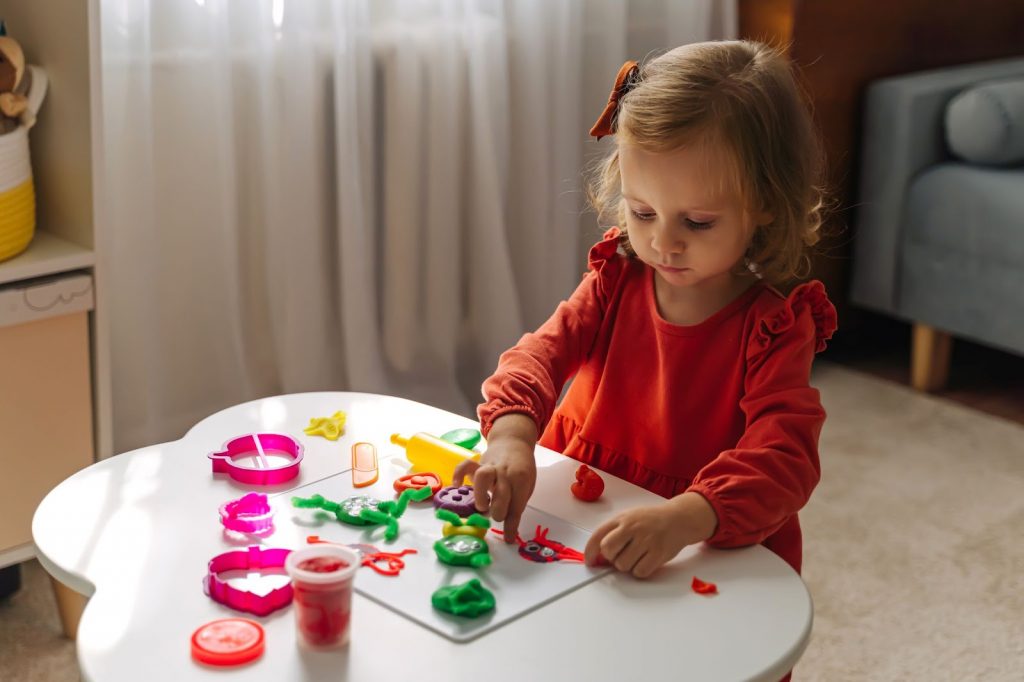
253 558
260 443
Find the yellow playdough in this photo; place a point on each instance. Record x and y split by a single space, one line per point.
328 427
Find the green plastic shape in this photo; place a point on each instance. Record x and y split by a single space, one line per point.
470 599
467 438
463 550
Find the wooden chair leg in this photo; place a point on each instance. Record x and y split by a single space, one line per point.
70 605
930 358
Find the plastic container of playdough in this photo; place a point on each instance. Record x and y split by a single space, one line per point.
430 453
322 577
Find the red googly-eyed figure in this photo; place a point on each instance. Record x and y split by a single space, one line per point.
544 551
588 485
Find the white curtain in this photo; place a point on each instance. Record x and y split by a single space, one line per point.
348 194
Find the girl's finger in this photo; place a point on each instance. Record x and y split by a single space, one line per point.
500 498
511 527
464 469
483 484
629 555
520 496
647 566
614 543
593 549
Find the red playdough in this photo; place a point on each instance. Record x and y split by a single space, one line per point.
323 564
588 486
701 587
323 612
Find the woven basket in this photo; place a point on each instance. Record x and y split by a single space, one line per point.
17 193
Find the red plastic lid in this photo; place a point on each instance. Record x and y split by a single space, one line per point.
228 641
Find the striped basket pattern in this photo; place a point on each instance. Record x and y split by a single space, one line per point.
17 194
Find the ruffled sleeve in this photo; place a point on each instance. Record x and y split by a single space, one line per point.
758 485
807 299
530 376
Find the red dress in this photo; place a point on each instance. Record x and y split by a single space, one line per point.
722 408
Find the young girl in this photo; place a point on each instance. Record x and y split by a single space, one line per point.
690 371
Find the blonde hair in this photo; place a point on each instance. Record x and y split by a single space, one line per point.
742 95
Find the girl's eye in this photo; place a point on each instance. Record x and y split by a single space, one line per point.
642 216
694 225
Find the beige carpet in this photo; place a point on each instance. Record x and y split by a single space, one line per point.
914 548
914 539
32 646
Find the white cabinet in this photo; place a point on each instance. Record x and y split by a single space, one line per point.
54 348
46 416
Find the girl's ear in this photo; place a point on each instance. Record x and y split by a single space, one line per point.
762 218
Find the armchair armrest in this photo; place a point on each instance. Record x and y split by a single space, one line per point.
903 134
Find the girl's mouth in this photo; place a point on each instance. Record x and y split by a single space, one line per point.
669 268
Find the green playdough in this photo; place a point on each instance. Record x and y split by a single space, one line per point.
478 520
463 550
348 511
470 599
366 511
467 438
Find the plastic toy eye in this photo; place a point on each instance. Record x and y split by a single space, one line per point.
465 545
354 505
547 552
532 547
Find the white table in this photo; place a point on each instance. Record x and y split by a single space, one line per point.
134 533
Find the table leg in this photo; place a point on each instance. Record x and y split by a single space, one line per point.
70 605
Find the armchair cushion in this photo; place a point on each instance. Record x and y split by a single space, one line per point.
985 123
962 258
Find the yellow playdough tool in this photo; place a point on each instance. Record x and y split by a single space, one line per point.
430 453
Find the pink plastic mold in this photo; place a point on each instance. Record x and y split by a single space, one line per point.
248 514
255 446
252 559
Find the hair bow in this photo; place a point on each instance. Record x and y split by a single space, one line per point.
624 82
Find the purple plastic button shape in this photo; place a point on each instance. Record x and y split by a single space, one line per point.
252 559
456 498
248 514
256 446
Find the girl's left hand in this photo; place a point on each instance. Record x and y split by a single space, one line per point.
639 541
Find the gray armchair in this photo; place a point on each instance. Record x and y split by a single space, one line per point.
939 235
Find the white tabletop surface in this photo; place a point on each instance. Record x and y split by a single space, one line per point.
135 532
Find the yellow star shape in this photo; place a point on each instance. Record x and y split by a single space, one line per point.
328 427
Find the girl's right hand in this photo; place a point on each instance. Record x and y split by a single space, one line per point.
504 479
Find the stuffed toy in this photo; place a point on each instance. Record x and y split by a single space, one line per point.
15 81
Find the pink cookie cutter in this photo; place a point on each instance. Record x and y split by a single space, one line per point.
248 514
250 559
255 446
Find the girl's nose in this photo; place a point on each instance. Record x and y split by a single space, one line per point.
666 240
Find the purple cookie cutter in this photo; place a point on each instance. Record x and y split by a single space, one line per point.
256 445
248 514
250 559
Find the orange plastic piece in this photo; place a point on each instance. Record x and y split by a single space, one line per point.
364 465
417 481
